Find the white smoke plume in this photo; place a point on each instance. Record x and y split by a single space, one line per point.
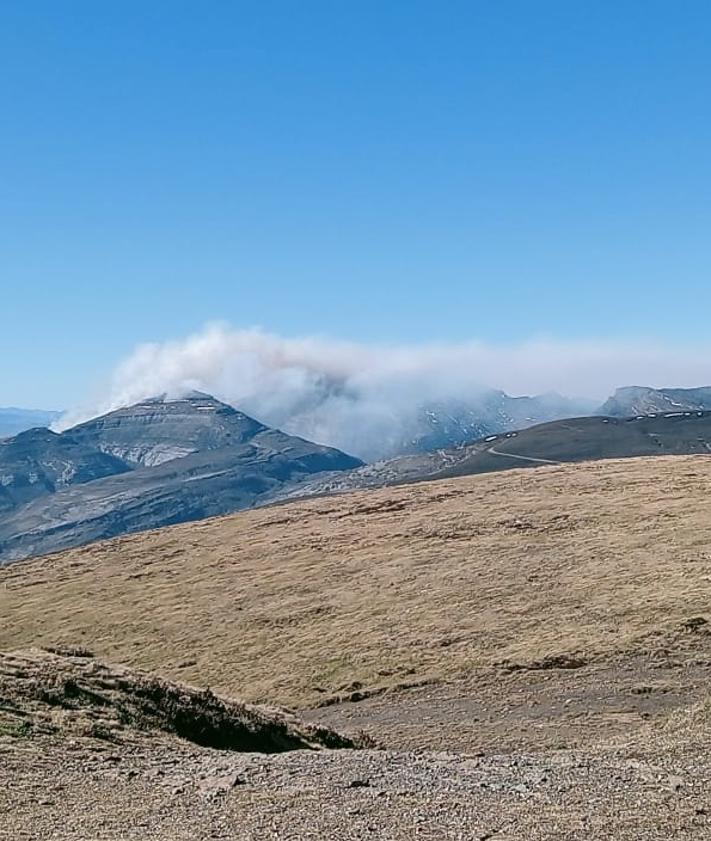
363 398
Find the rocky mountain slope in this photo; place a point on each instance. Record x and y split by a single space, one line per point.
641 400
160 430
452 423
566 441
40 462
390 427
179 460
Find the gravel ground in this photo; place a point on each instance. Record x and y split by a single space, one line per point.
529 710
85 757
159 788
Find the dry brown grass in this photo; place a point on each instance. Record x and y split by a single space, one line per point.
296 603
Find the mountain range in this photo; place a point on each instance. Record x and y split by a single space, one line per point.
164 461
454 422
558 442
641 400
432 425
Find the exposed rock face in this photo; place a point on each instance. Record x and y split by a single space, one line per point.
39 462
641 400
449 424
179 460
159 430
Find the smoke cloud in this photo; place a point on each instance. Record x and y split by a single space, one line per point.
363 398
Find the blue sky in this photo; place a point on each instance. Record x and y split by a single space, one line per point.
376 172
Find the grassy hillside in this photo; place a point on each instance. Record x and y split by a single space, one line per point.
319 598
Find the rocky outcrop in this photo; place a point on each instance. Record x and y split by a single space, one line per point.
641 400
39 462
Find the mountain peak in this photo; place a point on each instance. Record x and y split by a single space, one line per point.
188 397
193 394
163 428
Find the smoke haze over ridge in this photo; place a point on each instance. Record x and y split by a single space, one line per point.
362 397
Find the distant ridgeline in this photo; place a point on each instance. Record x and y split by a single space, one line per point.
14 420
166 461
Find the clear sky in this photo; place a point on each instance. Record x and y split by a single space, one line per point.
374 171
